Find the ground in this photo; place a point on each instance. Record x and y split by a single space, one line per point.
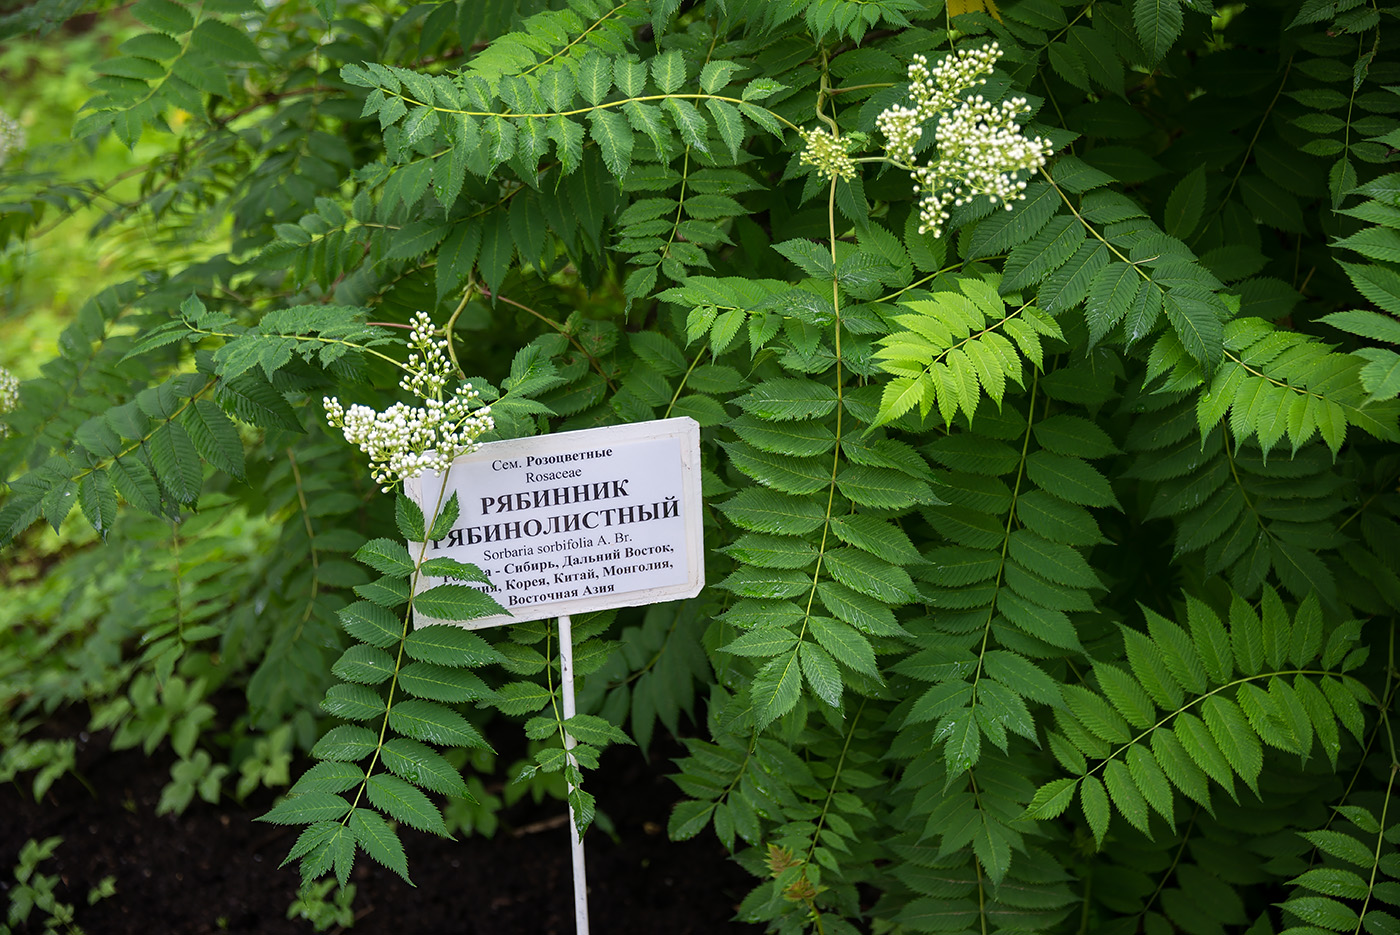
214 870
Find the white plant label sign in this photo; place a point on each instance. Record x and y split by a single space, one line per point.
575 522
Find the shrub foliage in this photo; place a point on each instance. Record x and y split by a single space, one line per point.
1053 559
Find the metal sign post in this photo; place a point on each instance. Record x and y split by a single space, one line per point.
566 676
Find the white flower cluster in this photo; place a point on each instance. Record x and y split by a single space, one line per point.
12 136
980 148
830 155
9 397
404 441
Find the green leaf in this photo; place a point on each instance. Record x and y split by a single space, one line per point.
771 512
610 131
306 808
1111 296
386 592
1211 640
1329 914
1022 676
353 702
1151 781
456 602
1070 479
345 744
668 69
595 77
431 722
1126 695
963 747
409 518
594 731
1051 799
845 645
776 688
1332 881
404 803
445 520
379 841
385 556
763 641
688 819
1177 651
864 613
367 665
451 568
176 461
715 75
447 645
1179 767
1125 794
1197 326
441 683
1307 631
1094 800
1341 846
1187 202
822 673
329 776
422 766
164 16
98 499
789 399
870 575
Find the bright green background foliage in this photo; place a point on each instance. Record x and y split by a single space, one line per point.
1053 562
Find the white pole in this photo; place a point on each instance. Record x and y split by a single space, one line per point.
566 676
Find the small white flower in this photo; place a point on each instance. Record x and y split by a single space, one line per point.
979 145
9 397
405 441
830 155
12 136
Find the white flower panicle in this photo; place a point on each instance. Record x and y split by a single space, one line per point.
980 148
12 136
9 397
829 154
405 441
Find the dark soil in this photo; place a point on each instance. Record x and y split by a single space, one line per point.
214 870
